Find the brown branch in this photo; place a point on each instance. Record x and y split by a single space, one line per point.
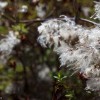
9 18
89 21
30 22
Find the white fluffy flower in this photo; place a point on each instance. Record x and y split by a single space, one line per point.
7 44
41 10
86 11
97 10
3 4
93 84
23 9
78 47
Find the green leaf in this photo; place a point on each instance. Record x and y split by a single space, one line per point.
20 28
3 30
19 68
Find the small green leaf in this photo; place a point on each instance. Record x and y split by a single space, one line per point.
20 27
55 77
3 30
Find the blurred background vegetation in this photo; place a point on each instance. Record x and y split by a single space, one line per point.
33 72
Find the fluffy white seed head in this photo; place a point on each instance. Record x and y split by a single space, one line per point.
6 46
97 10
93 84
78 47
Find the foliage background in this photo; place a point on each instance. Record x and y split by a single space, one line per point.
33 72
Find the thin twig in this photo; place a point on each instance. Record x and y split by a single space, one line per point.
30 22
89 21
9 18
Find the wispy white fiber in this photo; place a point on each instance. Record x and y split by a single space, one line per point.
97 10
6 46
78 47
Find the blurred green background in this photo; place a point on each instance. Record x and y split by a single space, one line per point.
33 72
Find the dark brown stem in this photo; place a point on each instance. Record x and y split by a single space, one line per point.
54 97
9 18
89 21
32 21
77 14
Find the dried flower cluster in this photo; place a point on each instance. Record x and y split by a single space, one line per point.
78 47
41 10
6 46
97 10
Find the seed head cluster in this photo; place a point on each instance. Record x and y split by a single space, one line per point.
78 47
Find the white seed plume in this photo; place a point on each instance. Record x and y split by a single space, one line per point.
93 84
41 11
97 10
3 4
6 46
23 9
78 47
